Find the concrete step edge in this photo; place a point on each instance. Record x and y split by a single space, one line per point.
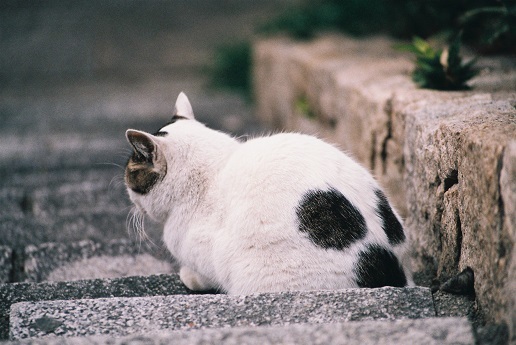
438 331
121 316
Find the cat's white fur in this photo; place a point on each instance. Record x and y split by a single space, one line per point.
229 209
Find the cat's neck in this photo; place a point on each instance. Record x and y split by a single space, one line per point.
200 199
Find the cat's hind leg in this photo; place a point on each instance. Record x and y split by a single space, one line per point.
193 280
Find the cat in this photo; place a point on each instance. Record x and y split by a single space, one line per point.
281 212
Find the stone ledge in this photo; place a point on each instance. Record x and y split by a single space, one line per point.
432 331
438 154
508 197
65 199
17 232
64 205
453 155
97 288
122 316
92 260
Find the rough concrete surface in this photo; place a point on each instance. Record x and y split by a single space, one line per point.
434 331
121 316
453 155
449 305
97 288
90 260
6 264
508 196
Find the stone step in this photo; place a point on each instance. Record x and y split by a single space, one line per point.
55 176
6 264
431 331
122 316
65 199
92 260
95 288
63 205
99 226
66 151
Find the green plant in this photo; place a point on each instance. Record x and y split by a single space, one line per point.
440 69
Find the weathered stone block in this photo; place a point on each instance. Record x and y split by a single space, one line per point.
6 264
63 200
453 156
98 288
508 199
102 226
91 260
122 316
434 331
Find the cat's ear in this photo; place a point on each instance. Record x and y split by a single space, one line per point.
143 143
183 107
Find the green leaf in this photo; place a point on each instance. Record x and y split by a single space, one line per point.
432 72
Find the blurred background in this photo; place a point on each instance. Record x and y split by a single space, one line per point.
75 74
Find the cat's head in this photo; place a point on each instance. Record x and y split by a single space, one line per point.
156 174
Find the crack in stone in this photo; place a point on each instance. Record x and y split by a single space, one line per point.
458 239
451 179
502 250
383 153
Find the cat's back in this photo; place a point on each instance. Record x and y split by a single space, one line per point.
307 205
286 159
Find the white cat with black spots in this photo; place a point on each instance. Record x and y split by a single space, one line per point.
281 212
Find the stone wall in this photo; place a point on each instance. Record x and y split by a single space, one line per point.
446 159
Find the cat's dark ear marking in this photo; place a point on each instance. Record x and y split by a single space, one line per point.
377 267
183 107
142 143
330 219
390 224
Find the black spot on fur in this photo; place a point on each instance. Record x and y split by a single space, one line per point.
377 267
330 220
390 224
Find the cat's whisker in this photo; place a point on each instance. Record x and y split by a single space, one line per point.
129 220
117 181
111 164
124 153
136 223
